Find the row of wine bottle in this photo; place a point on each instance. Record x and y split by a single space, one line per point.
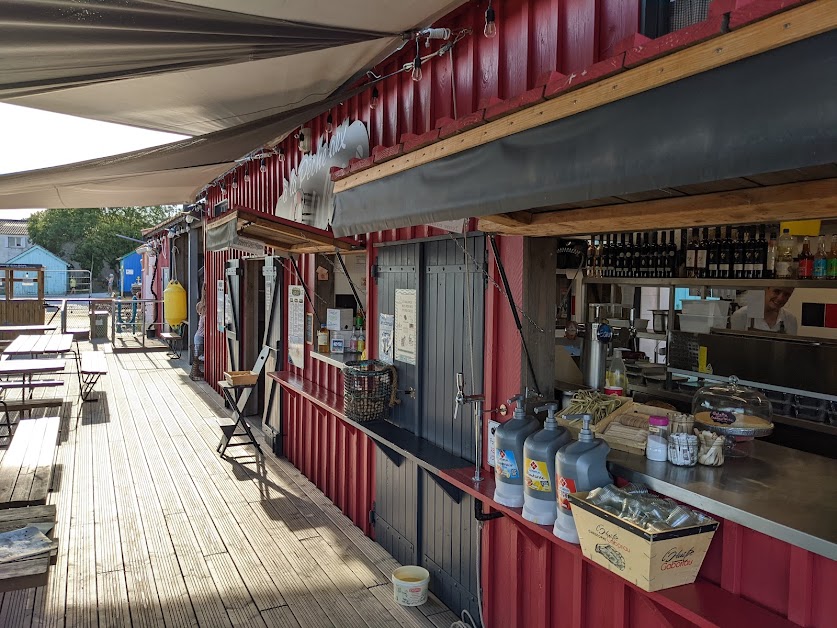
734 253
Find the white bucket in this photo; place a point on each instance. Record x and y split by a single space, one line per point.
409 585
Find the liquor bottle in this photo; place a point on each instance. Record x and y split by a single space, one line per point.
629 256
772 252
725 256
691 255
713 252
642 257
821 260
638 256
620 257
785 250
600 256
806 260
671 265
703 254
749 254
737 254
832 258
761 255
591 257
605 254
654 256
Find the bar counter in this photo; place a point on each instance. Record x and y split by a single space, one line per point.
784 493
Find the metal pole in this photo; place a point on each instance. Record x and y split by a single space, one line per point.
351 283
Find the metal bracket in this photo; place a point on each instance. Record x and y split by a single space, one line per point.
479 515
453 492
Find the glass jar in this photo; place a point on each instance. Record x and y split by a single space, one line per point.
738 412
658 432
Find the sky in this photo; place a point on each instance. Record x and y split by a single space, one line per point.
31 139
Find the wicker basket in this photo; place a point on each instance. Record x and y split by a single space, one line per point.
370 389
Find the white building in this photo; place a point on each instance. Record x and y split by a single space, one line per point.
14 238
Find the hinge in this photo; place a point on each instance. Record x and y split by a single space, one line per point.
374 271
372 515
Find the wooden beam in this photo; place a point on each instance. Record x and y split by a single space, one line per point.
514 219
793 201
779 30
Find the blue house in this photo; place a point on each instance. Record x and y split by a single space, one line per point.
130 271
55 272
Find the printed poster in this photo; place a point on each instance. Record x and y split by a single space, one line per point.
405 326
296 326
386 324
220 300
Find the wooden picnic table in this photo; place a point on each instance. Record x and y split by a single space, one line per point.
34 345
27 329
33 571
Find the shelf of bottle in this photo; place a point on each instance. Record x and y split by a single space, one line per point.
715 283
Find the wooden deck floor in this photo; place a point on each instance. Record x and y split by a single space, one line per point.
155 529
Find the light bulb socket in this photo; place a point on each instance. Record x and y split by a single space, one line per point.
373 102
489 15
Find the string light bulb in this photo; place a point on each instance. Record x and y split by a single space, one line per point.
490 29
234 183
281 153
246 174
223 188
262 166
416 74
329 125
373 102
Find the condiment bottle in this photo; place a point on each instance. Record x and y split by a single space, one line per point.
832 258
821 260
658 432
322 339
806 260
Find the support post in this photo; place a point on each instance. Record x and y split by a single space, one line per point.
540 300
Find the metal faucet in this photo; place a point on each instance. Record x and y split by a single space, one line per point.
476 400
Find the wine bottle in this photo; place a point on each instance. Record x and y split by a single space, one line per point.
703 254
738 254
629 256
724 259
713 254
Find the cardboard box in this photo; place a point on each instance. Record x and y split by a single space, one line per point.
339 319
651 561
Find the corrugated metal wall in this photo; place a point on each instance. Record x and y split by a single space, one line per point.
527 581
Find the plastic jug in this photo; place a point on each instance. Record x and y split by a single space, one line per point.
539 458
579 466
508 454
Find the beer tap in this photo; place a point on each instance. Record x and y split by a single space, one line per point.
476 400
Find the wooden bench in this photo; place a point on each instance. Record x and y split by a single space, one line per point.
26 468
24 405
27 573
93 364
170 338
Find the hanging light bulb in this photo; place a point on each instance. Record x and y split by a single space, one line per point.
329 125
247 174
416 75
373 102
490 29
262 166
281 153
234 183
223 188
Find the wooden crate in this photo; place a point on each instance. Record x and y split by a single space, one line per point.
652 561
240 378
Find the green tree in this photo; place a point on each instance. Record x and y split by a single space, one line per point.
91 233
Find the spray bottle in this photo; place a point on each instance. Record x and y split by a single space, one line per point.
508 454
539 457
580 466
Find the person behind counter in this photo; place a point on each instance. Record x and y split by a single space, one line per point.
776 317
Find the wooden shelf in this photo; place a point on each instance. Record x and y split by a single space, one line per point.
714 283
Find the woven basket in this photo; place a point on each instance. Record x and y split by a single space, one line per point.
370 389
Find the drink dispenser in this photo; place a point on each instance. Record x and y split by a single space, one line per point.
508 454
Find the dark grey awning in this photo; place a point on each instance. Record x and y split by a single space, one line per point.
776 111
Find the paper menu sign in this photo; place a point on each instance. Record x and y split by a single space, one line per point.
405 326
386 339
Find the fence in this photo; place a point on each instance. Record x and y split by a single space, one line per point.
58 283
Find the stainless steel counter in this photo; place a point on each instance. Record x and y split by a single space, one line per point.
786 494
